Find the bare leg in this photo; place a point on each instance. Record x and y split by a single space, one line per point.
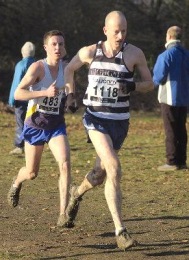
60 148
114 200
29 172
107 165
110 161
109 158
95 177
92 179
33 157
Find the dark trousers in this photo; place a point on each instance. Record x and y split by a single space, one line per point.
20 114
174 119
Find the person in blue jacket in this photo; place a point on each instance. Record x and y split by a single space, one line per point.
20 107
171 75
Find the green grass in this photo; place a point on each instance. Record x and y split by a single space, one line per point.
155 203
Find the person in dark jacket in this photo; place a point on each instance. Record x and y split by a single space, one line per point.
20 107
171 75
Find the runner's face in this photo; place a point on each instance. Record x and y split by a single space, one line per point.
115 31
55 47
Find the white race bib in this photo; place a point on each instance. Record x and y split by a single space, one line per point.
104 93
50 105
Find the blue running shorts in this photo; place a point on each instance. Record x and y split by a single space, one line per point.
36 136
116 129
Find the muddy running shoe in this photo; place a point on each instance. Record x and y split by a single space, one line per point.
73 204
124 240
13 194
64 222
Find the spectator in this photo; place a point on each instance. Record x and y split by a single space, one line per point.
20 106
171 74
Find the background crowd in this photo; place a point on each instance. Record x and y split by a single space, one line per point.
81 21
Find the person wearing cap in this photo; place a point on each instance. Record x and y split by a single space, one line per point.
171 75
20 106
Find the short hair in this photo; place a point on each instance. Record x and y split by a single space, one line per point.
28 50
113 13
175 32
49 34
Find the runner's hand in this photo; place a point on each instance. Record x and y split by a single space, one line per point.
126 86
71 105
52 91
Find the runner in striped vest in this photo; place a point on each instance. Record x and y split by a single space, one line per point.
103 94
110 80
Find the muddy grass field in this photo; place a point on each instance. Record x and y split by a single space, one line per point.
155 205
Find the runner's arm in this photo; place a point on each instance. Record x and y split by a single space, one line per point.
145 84
84 56
33 75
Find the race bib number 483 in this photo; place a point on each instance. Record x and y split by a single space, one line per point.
50 105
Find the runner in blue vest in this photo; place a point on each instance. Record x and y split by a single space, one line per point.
43 86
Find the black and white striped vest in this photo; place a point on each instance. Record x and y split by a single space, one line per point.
103 98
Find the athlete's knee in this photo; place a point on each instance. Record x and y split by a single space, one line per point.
34 172
32 175
114 169
96 176
64 166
